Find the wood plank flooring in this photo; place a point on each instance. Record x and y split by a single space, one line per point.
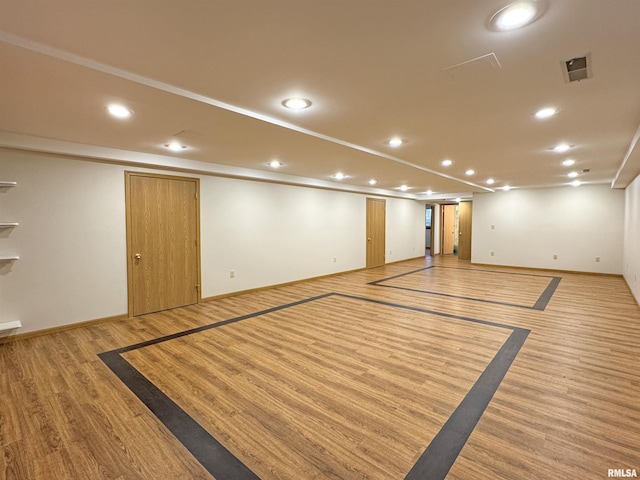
352 384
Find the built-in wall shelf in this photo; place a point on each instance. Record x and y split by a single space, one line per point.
8 258
15 324
10 325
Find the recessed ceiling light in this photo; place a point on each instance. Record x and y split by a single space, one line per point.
506 188
446 163
296 103
339 176
470 172
546 112
275 164
373 181
568 162
404 188
561 148
119 111
175 146
490 181
395 142
515 15
576 183
572 174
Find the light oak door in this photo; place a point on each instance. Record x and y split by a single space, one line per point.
162 242
464 230
448 228
376 217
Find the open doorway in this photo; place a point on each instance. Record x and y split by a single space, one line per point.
456 230
429 228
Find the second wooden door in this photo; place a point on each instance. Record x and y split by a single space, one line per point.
464 230
376 232
448 229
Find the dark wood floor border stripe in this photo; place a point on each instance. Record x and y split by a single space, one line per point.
217 324
523 274
426 310
544 299
442 452
433 464
211 454
376 282
461 268
541 303
440 294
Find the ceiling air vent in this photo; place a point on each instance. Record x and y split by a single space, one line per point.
187 134
474 67
578 68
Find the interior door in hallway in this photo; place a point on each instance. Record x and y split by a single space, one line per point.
464 230
376 217
448 229
162 242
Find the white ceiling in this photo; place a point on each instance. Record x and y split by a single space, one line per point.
372 68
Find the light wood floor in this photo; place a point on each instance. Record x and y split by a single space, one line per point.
346 386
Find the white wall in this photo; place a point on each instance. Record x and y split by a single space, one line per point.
71 241
631 251
72 236
269 234
532 225
405 229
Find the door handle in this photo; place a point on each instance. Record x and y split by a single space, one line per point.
368 239
137 256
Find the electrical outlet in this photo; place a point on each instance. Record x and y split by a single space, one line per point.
232 274
597 259
492 254
334 259
555 257
493 227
